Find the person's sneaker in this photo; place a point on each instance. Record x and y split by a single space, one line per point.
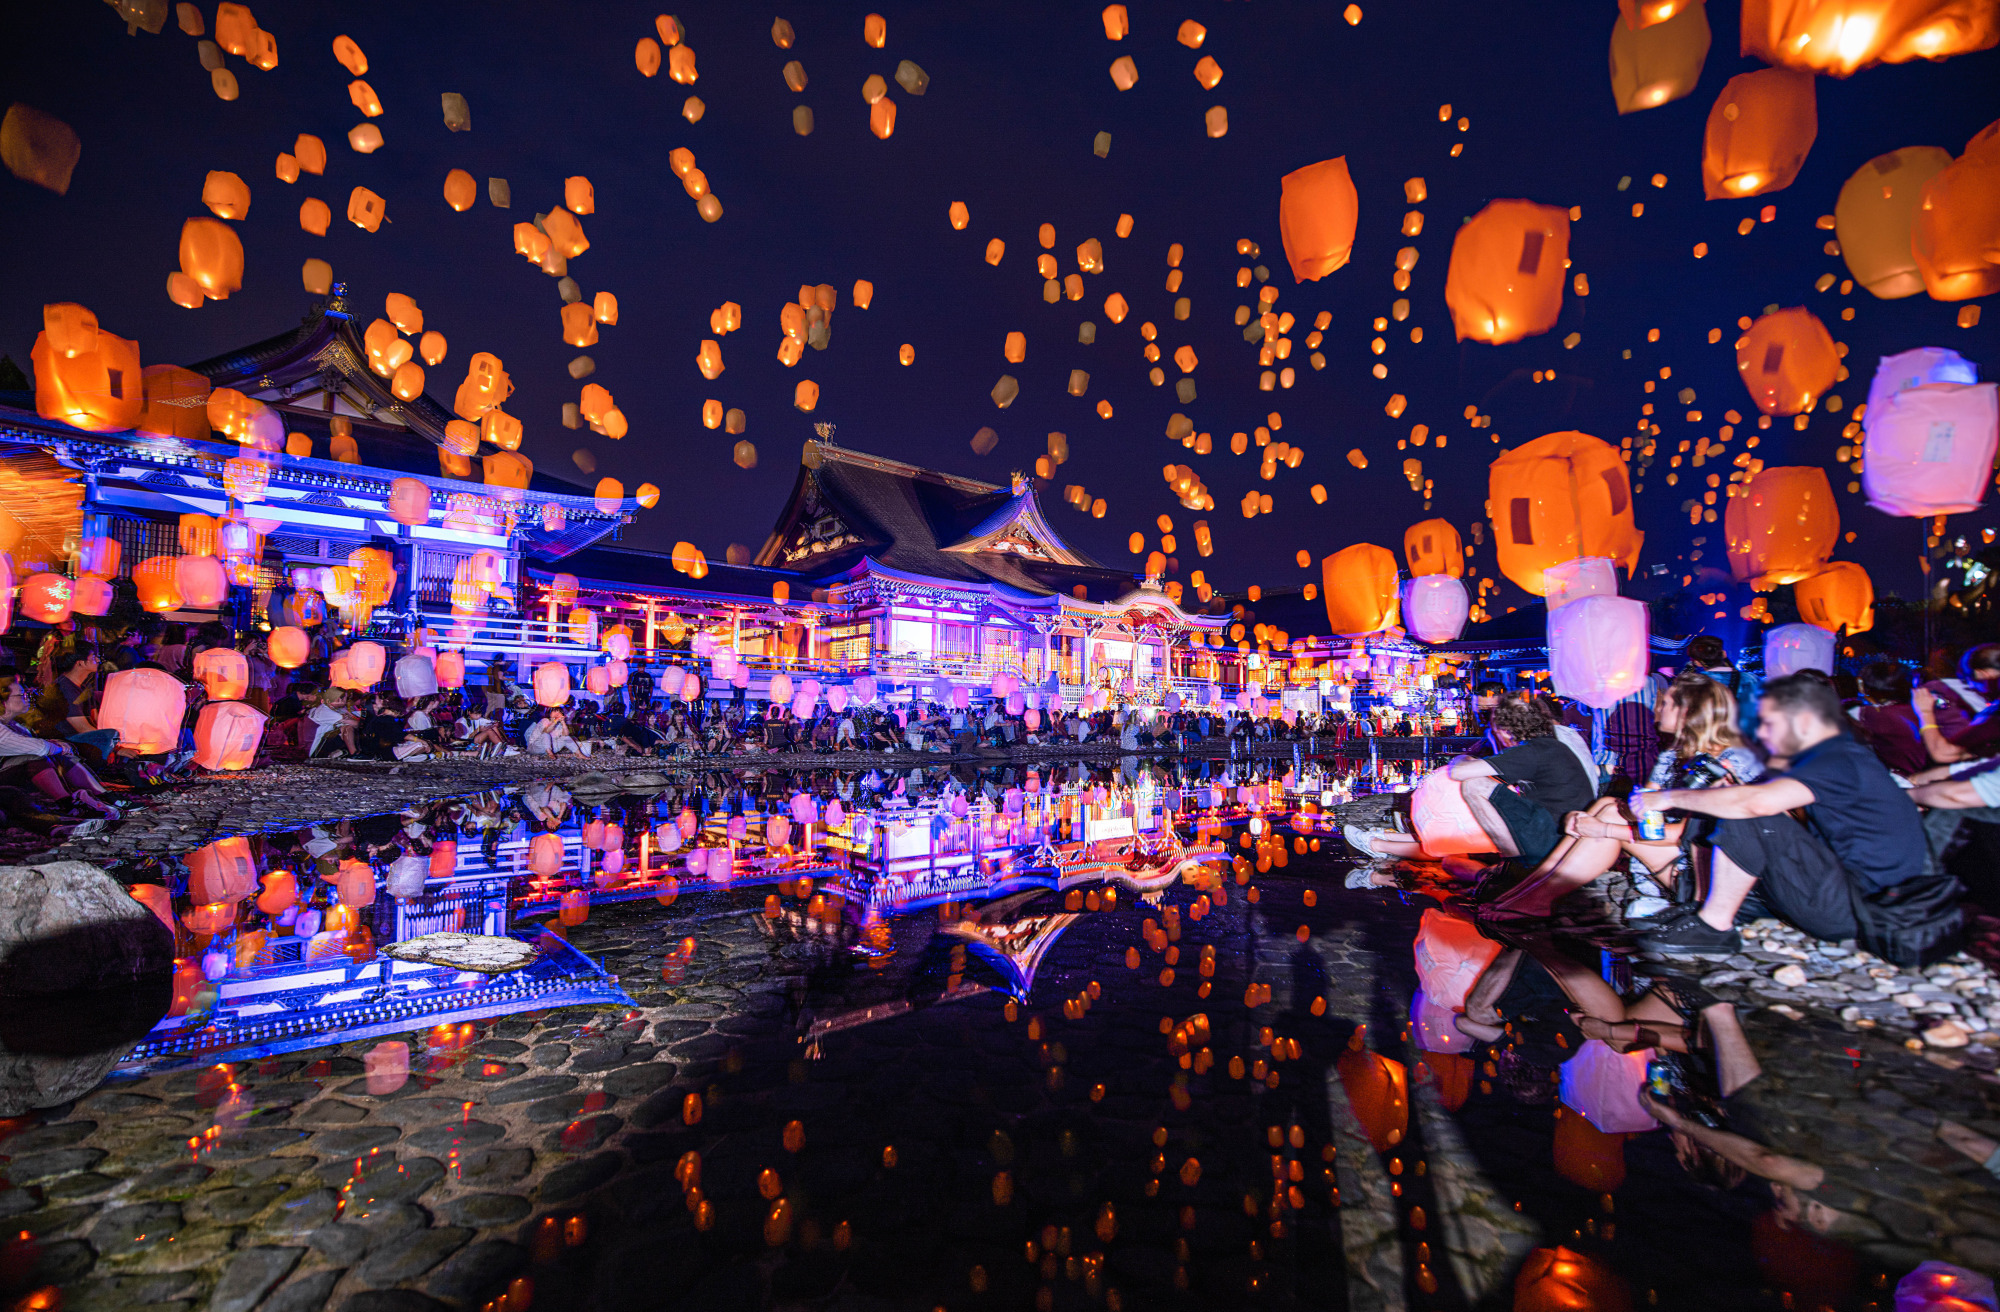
1363 840
1691 937
1646 908
1651 921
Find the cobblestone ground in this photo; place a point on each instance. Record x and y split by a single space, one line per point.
947 1155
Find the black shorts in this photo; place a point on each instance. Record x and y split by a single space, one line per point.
1799 880
1535 831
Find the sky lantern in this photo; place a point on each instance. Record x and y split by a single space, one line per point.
165 387
1451 954
1317 212
226 195
1597 649
1660 61
1443 822
224 672
1841 596
145 707
1378 1090
1759 132
1787 360
212 255
1433 547
1507 269
366 661
416 676
610 495
1782 526
551 683
157 581
1928 449
1875 216
507 469
47 598
202 581
451 669
97 390
409 501
91 596
1359 587
1843 36
1558 497
227 735
460 190
1789 648
1956 233
288 646
1435 607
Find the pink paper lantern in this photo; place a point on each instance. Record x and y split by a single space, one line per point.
1443 822
781 688
1604 1086
223 671
1433 1027
227 735
366 661
145 707
1435 607
551 684
451 669
91 597
618 673
1790 648
1451 954
1929 449
691 688
201 581
1586 576
1597 649
597 681
671 680
386 1067
545 855
805 808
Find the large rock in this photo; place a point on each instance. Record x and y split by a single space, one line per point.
69 926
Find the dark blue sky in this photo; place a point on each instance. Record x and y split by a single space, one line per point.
1018 90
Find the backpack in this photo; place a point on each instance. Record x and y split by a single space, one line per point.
1914 923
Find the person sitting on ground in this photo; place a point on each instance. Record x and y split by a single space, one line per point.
335 724
1486 695
549 735
1954 796
1886 721
1628 733
1569 735
1699 717
1862 833
1707 654
49 767
420 733
1960 718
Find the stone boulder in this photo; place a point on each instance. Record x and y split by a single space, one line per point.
68 926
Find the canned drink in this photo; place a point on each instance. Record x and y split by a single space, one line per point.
1652 826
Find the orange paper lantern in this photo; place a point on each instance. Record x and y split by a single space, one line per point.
1841 596
202 581
91 596
1659 61
1841 36
1759 132
145 707
1378 1090
47 598
1874 219
289 647
98 390
1561 496
409 501
157 580
166 389
1788 361
1359 585
1955 235
1434 547
1507 269
1782 527
222 871
1317 212
224 671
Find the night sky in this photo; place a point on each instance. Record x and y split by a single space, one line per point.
1018 91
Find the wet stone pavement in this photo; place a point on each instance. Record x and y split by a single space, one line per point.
947 1155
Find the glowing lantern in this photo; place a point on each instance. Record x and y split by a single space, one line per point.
201 580
157 580
226 195
227 735
1841 36
610 496
1451 954
366 661
1928 448
1841 596
364 207
245 478
1789 648
91 596
71 328
167 388
1782 527
617 641
409 502
1378 1090
1956 234
1597 649
1359 587
1586 1156
507 469
552 683
1443 822
98 555
545 855
1434 547
212 255
597 681
1874 217
222 871
1508 265
451 669
1603 1085
98 390
1787 360
145 707
1662 61
47 598
1558 497
1435 607
1759 132
416 676
224 671
289 647
1317 211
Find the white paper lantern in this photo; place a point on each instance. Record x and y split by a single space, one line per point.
1790 648
1603 1084
1597 649
416 676
1586 576
1435 607
1929 449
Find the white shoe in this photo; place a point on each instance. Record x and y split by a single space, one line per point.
1641 907
1363 840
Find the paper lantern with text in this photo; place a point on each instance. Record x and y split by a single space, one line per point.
222 871
1359 587
409 501
1841 596
1585 1155
91 596
202 581
1317 211
1597 649
1789 648
175 404
289 646
1660 62
451 669
1874 218
1561 496
416 676
1435 607
1841 36
552 683
1441 819
1451 954
1955 236
223 671
1928 450
98 391
1915 368
227 735
1603 1085
1782 527
1434 547
145 707
1377 1089
1787 361
1508 264
47 598
1759 131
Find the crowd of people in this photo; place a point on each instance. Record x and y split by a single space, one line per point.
1741 798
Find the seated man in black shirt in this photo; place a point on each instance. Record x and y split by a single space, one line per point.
1520 795
1862 832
